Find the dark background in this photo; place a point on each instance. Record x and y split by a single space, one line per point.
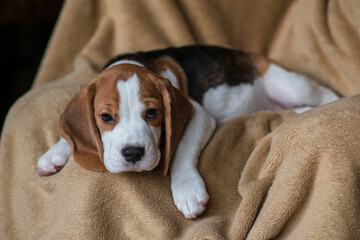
25 27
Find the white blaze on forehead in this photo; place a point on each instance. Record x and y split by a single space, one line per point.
130 105
127 62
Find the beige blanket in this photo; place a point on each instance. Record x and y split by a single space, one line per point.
268 176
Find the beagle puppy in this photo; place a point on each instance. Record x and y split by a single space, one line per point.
162 106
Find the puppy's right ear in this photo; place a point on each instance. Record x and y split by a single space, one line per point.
77 125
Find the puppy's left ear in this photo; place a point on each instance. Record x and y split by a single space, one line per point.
177 112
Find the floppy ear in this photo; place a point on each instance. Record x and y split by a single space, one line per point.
77 125
177 112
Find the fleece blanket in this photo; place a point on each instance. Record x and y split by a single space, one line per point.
269 176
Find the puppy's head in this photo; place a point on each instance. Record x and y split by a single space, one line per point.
126 119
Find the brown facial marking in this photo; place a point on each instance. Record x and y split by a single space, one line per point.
151 97
106 104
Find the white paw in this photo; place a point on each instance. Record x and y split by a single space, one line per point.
189 195
54 159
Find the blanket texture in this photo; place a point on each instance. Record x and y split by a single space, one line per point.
269 176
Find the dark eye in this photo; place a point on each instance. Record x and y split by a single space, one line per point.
107 118
151 113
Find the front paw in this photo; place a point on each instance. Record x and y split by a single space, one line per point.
189 195
50 164
54 159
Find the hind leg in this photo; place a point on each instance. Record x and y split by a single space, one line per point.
293 90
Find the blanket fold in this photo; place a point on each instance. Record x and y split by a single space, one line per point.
269 176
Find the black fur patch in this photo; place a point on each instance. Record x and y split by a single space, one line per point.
205 66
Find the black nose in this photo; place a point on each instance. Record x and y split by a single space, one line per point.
133 154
